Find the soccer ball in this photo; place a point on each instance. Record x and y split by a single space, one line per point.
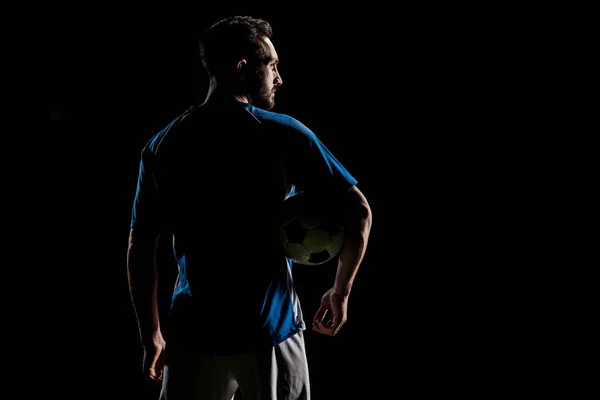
310 233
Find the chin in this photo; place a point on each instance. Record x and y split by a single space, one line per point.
265 101
266 105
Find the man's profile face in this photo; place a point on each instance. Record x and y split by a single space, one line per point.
265 78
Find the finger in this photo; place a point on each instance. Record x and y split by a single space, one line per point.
329 328
336 322
154 383
155 373
320 314
319 327
336 326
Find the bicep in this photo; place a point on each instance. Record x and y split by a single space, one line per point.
358 198
356 206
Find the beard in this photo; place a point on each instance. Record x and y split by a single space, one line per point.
262 93
266 99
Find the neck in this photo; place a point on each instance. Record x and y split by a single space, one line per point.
222 93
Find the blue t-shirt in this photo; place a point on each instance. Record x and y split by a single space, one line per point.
214 179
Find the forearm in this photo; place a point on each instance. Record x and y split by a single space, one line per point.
356 237
143 285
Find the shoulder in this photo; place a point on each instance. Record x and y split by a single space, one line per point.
282 122
154 144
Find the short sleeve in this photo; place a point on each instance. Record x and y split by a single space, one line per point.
313 167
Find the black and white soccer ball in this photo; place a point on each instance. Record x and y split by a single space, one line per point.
310 232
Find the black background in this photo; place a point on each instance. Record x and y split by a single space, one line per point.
410 101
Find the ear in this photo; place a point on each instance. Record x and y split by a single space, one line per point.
241 68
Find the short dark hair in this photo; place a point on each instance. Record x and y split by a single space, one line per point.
231 39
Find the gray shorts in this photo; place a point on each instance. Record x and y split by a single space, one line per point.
280 373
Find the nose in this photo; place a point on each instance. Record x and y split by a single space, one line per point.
278 81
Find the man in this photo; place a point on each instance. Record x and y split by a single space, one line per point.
213 181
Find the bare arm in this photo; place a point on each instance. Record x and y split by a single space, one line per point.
356 237
143 282
143 288
332 313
